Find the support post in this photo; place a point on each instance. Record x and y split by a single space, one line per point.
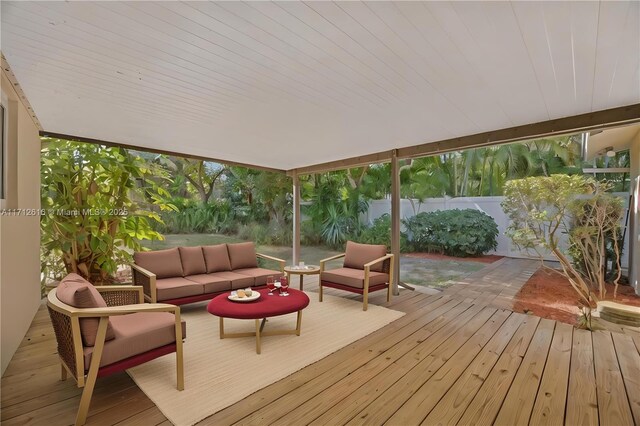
296 217
634 215
395 219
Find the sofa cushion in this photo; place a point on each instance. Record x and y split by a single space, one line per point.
356 255
242 255
217 258
237 280
175 288
135 334
259 274
77 292
192 260
353 277
163 263
211 283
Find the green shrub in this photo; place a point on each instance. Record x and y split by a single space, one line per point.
456 232
311 233
380 233
266 234
194 217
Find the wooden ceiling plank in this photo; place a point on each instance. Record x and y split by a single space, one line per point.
584 32
341 45
146 110
155 151
76 78
611 34
568 125
324 49
497 51
94 47
455 75
289 73
297 49
284 84
18 88
195 49
628 64
379 32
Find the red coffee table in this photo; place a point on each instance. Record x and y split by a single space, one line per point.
259 310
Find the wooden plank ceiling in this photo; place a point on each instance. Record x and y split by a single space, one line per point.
292 84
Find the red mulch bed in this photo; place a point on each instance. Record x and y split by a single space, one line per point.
548 294
487 258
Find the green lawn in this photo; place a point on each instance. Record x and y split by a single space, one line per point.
415 271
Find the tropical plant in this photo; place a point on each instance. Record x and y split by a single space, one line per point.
380 233
192 216
455 232
334 208
543 208
201 175
484 171
376 183
258 196
94 205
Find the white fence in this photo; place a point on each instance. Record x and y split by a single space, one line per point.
489 205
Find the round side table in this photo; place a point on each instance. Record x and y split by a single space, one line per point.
305 270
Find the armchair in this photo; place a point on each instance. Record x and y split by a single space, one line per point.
366 268
124 331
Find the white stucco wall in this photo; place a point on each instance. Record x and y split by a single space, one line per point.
20 234
489 205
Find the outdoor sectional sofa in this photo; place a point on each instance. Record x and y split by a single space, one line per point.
191 274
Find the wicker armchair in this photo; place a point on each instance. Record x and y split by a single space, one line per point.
120 300
366 268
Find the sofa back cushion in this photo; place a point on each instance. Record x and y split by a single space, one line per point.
242 255
75 291
216 258
192 261
356 255
163 263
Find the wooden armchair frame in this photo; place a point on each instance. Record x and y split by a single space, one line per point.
121 300
280 262
147 279
388 266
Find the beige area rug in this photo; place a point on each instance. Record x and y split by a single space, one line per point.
219 373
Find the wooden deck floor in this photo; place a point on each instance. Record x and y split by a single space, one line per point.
457 357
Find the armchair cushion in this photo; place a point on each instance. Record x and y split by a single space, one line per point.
175 288
135 334
353 277
258 274
356 255
163 263
217 258
192 260
77 292
242 255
